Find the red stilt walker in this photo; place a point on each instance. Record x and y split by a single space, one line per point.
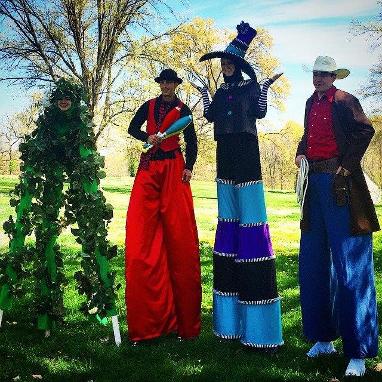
163 286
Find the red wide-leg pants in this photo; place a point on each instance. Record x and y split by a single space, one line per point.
163 286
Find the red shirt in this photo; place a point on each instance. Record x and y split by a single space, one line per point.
321 139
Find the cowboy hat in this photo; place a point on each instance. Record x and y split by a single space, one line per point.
327 64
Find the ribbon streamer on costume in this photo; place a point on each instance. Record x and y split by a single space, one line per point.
175 128
102 262
52 196
302 183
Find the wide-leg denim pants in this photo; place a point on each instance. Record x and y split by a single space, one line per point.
336 275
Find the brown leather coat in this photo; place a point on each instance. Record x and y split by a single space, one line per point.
353 132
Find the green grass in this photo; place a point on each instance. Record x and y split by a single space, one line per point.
82 350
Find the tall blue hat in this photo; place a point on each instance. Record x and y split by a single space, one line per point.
237 49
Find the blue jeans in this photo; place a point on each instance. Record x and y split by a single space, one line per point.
336 275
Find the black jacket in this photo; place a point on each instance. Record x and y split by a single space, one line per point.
234 108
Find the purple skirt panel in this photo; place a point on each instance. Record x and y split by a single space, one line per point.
254 242
226 238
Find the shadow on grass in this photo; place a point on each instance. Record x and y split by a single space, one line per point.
82 350
117 189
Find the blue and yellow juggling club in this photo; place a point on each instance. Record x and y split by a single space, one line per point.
175 128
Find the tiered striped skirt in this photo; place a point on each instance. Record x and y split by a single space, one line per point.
246 304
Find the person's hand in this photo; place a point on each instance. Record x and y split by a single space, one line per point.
186 176
276 76
342 170
154 140
298 159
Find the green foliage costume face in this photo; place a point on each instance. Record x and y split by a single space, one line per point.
64 104
61 149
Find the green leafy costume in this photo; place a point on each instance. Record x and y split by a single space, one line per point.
61 149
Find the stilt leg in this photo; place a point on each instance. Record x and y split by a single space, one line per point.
117 334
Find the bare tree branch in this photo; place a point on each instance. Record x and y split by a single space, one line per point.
85 39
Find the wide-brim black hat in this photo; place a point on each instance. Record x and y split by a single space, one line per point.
237 60
168 75
236 50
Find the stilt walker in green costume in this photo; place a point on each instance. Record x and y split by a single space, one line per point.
61 149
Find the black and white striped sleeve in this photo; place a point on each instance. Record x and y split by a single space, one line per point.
263 95
206 99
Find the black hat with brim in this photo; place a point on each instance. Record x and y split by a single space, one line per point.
168 75
236 59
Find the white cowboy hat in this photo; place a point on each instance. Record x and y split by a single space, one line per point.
327 64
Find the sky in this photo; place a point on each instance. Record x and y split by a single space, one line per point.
301 29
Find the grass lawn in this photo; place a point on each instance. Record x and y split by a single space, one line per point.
82 350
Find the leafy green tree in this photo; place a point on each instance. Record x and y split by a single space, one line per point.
277 151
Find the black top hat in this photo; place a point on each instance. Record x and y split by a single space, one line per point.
236 50
168 75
